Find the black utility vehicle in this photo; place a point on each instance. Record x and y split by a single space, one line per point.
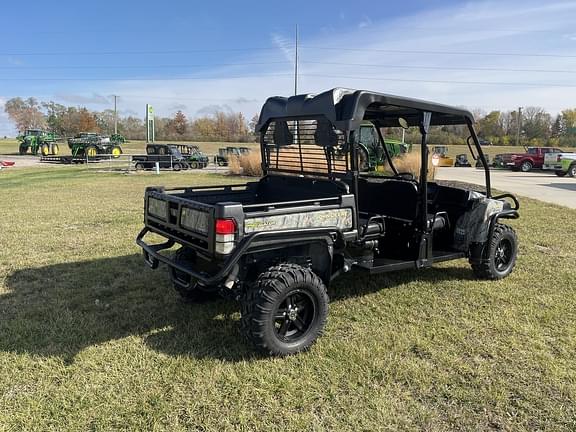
225 153
195 158
462 161
167 155
276 244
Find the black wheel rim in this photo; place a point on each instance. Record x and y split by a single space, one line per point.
294 316
503 255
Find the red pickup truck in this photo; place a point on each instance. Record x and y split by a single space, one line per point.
532 158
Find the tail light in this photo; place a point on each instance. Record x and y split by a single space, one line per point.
225 235
559 158
225 226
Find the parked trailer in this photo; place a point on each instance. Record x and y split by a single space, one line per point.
73 159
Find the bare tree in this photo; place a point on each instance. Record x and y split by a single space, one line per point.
25 114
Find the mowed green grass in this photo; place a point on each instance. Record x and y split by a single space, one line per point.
91 339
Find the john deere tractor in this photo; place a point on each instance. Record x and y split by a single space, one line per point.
38 141
91 144
372 155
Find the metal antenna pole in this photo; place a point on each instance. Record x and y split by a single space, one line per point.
115 116
296 64
518 126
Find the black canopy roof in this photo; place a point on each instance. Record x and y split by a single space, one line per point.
347 108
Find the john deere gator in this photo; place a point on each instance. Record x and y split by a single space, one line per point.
38 141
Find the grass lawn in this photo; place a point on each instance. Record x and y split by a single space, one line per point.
91 339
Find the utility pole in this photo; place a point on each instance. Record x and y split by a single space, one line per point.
115 116
518 125
296 64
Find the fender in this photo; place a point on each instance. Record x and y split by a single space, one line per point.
259 241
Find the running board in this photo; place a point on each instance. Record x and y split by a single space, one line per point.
439 256
382 265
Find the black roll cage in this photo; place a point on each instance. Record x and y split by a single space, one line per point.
351 146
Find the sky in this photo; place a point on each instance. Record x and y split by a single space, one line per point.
200 57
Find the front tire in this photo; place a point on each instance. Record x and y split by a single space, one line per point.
526 166
285 310
501 254
91 151
572 171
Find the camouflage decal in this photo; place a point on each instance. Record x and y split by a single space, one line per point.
194 220
472 226
340 218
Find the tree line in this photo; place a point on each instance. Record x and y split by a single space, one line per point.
69 120
531 126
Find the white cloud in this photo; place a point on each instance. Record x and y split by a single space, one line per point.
467 28
93 99
488 26
286 46
366 22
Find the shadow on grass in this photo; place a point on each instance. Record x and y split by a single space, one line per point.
356 284
61 309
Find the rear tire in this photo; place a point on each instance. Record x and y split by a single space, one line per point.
285 310
526 166
55 149
116 151
139 166
502 253
176 166
194 165
45 150
572 171
560 173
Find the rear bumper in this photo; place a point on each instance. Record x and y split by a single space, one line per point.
153 258
267 239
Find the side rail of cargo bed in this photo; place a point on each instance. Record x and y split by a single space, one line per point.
189 215
153 257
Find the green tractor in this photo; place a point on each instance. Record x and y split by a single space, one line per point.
372 155
91 145
38 141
